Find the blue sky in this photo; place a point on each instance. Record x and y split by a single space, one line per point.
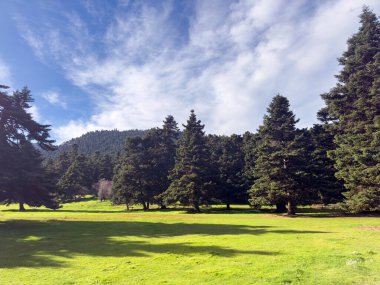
127 64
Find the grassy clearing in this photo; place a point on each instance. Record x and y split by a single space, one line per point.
94 243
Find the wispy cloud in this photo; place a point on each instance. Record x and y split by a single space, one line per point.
54 98
33 110
5 74
225 59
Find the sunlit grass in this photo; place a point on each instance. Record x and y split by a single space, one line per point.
95 243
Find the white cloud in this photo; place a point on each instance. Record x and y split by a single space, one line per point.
33 110
229 63
5 74
71 130
54 98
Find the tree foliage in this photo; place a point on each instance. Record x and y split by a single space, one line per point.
227 159
190 178
22 178
280 172
142 174
353 107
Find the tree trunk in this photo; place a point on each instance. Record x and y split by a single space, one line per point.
280 207
163 207
147 205
196 208
144 206
291 208
228 206
21 207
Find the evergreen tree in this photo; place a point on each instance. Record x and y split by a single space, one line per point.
353 107
190 178
76 182
30 183
20 163
138 176
166 155
122 192
250 141
228 159
281 157
142 172
327 187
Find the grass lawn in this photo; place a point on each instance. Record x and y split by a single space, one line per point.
95 243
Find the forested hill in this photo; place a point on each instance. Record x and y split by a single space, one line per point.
105 141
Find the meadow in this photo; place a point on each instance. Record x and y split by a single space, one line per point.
91 242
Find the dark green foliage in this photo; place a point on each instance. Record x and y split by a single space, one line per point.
328 188
29 182
76 182
353 108
165 154
281 174
17 124
142 172
101 167
190 178
139 172
227 159
106 142
22 178
250 142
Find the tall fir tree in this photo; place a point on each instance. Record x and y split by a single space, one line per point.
353 107
30 183
140 175
19 161
166 155
190 178
77 180
227 159
281 159
328 188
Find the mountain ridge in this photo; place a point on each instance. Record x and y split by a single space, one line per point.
108 142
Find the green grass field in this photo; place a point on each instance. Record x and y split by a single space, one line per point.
95 243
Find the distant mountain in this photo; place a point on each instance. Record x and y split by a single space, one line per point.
106 142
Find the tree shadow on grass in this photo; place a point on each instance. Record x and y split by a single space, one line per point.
27 243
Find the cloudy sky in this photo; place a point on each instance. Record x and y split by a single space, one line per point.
100 64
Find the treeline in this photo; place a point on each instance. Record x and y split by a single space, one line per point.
280 165
109 142
337 160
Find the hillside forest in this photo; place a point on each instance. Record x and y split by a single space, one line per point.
336 161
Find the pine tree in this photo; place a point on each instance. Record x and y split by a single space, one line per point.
327 187
353 107
227 157
20 163
190 178
166 156
106 167
30 183
280 173
139 173
76 182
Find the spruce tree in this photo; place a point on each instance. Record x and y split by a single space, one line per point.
190 178
328 188
77 180
20 162
227 159
353 107
281 158
139 174
142 171
166 156
29 182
